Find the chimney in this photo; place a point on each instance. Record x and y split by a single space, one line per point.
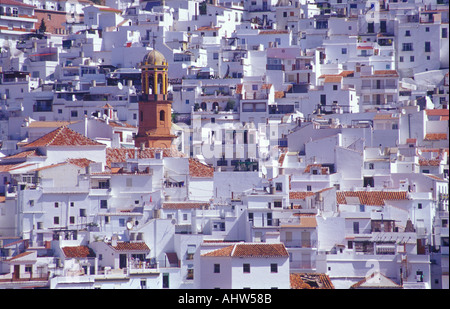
114 240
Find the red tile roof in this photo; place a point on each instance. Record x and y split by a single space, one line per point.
15 3
374 198
198 169
23 154
274 32
435 136
310 281
130 246
114 155
186 205
299 195
80 162
332 79
437 112
433 162
347 73
63 136
78 252
254 250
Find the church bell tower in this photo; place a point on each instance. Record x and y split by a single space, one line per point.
155 110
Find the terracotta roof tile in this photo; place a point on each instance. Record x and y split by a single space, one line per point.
300 195
63 136
78 252
254 250
130 246
347 73
437 112
333 79
80 162
274 32
15 3
433 162
186 205
116 155
198 169
374 198
23 154
435 136
310 281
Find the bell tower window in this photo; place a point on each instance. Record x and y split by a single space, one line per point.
162 116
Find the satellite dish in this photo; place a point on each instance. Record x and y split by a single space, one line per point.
119 85
129 225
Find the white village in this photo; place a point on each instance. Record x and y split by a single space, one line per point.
224 144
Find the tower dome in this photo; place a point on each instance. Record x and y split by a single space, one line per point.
154 57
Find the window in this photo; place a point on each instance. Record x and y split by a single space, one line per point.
274 268
103 204
72 220
419 205
82 212
122 222
55 220
162 116
407 47
279 186
427 47
335 87
308 188
185 217
355 227
254 87
427 29
401 59
56 204
344 51
407 33
217 268
72 204
444 33
246 268
165 283
143 284
74 114
411 58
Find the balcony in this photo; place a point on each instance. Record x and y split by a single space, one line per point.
300 243
255 96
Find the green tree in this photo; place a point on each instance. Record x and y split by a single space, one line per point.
42 27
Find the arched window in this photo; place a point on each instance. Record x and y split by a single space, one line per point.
160 90
215 106
203 106
162 116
